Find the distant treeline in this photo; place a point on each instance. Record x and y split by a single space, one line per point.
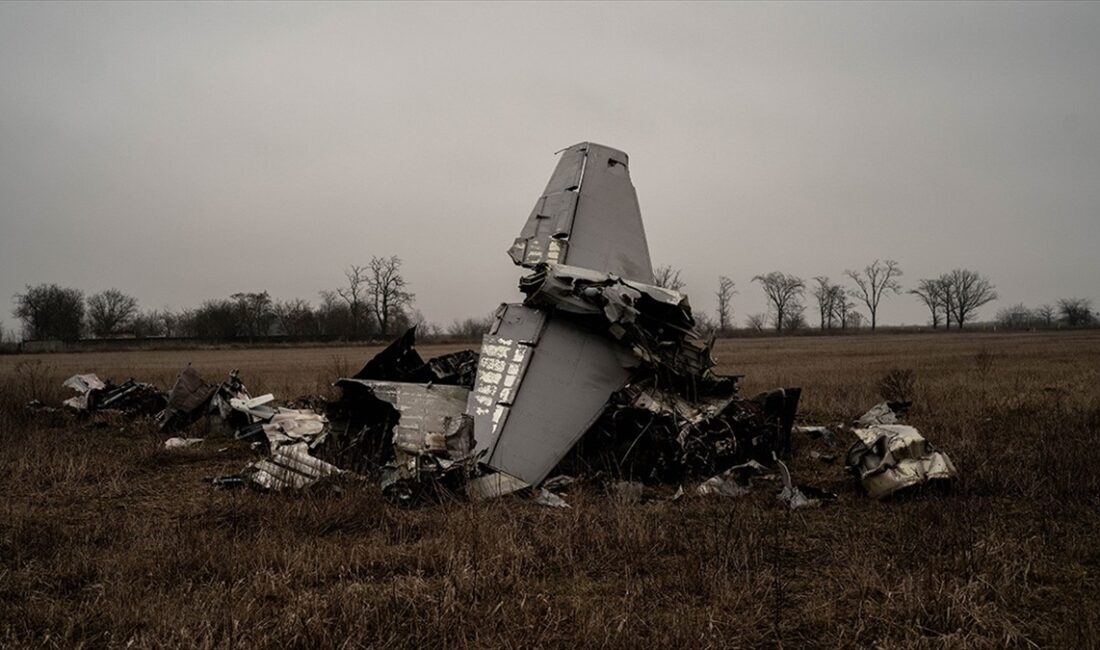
953 298
375 303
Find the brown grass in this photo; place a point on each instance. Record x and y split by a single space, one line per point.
106 540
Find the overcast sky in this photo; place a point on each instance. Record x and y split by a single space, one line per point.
188 151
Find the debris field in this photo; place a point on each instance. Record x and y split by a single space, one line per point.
598 373
107 536
587 475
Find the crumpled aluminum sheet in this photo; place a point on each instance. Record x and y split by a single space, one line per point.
290 466
892 457
82 384
295 425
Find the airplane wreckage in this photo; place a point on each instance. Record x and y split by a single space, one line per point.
597 372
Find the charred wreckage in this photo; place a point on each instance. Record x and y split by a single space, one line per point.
597 372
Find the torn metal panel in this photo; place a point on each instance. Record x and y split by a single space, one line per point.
564 381
656 323
400 361
545 235
397 360
793 495
191 397
187 400
496 484
255 407
289 466
888 458
222 417
431 417
735 481
290 426
84 385
454 369
428 434
582 290
588 216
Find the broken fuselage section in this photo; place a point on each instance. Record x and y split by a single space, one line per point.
597 352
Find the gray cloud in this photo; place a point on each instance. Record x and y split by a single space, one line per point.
185 151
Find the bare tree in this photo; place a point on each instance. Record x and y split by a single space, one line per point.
110 311
387 291
726 291
932 293
1016 317
212 319
334 316
50 312
876 279
1076 312
1045 314
966 291
355 296
295 317
843 308
668 278
705 325
784 293
828 297
853 319
254 313
471 329
144 325
948 296
756 322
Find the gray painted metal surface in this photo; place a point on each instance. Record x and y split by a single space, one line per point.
564 380
544 378
505 355
588 216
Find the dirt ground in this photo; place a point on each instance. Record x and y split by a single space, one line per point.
107 540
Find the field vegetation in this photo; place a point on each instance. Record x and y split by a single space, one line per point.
108 540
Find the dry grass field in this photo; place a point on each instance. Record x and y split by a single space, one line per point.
107 540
